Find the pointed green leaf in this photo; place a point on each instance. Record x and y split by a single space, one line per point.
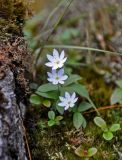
100 123
51 123
47 103
81 152
51 115
59 118
50 95
116 96
84 106
60 109
47 87
35 99
119 83
108 135
81 90
115 127
72 79
78 120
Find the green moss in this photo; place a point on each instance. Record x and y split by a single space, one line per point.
12 13
99 91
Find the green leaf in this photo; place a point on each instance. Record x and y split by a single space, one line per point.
59 118
115 127
78 88
81 90
92 151
47 103
100 123
51 123
50 95
80 152
116 96
35 99
108 135
60 109
84 106
47 87
119 83
51 115
78 120
72 79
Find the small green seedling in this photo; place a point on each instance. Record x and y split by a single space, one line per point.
85 154
107 131
53 120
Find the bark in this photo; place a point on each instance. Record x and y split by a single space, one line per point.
12 145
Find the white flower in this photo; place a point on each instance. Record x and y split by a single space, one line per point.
56 61
57 77
68 100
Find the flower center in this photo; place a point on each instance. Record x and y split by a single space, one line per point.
57 78
69 102
57 62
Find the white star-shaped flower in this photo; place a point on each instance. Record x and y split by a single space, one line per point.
57 77
56 61
68 100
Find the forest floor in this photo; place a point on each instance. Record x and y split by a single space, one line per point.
97 24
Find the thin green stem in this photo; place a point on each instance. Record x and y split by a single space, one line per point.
93 105
82 48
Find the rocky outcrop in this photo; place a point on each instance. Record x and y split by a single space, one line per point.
12 145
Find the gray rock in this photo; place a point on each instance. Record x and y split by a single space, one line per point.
12 145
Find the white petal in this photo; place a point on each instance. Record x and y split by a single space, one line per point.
64 60
54 72
67 95
67 107
75 100
73 95
60 72
49 79
49 64
50 58
55 54
72 105
61 82
62 55
49 74
55 66
55 82
63 78
60 65
61 104
62 98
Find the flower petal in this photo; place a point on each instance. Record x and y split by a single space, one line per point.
61 104
55 66
49 64
72 105
62 98
62 55
61 82
61 72
75 100
66 107
55 54
64 60
73 95
50 58
49 75
67 95
63 78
